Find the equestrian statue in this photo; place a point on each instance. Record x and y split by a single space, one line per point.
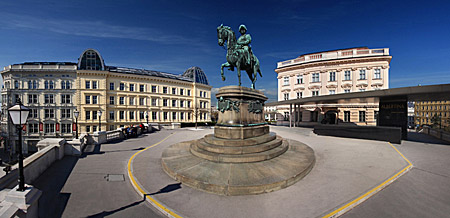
239 53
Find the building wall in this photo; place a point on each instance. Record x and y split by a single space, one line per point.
132 104
297 78
50 115
426 110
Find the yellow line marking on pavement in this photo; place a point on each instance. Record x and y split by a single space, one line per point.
373 191
138 188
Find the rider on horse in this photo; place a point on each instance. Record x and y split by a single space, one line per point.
244 42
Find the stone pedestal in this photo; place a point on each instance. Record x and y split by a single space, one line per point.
242 156
27 201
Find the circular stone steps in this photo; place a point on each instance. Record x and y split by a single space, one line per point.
202 144
240 142
239 158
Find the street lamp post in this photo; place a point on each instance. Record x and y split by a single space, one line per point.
19 115
146 116
99 120
76 114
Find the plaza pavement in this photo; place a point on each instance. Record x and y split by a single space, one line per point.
344 170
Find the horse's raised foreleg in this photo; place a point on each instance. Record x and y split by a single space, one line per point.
221 70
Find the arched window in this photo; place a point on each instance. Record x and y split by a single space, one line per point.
63 85
90 59
67 85
46 84
29 85
52 85
34 84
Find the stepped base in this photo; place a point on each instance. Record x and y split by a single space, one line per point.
238 178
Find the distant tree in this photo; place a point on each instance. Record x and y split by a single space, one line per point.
196 114
436 120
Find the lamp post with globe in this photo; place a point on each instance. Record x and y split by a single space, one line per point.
76 114
99 120
19 115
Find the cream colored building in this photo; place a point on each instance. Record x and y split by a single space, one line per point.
334 72
47 88
125 96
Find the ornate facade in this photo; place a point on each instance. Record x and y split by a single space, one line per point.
125 96
431 113
334 72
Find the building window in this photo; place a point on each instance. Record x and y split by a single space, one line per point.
377 74
94 99
362 90
174 115
285 81
88 99
131 100
141 88
154 115
112 127
181 115
94 84
362 116
121 115
174 103
132 115
65 113
65 99
189 116
346 116
299 79
347 74
32 99
48 99
286 96
88 115
154 100
33 128
49 113
315 93
65 128
121 100
181 91
111 86
299 94
88 84
188 92
88 128
154 90
332 76
111 100
165 102
49 128
141 115
362 74
131 87
188 104
35 84
94 128
332 92
33 113
165 115
141 101
346 90
122 86
165 90
181 103
94 115
174 91
315 77
111 115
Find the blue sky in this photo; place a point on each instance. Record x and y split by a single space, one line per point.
172 36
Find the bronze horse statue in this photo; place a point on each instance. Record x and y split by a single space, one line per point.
236 57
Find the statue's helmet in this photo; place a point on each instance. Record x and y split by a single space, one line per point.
242 26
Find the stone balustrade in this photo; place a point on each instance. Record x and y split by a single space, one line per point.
339 54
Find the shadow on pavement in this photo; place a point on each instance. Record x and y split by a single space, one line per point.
424 138
53 202
167 189
107 213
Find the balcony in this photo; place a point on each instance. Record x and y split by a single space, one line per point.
332 55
